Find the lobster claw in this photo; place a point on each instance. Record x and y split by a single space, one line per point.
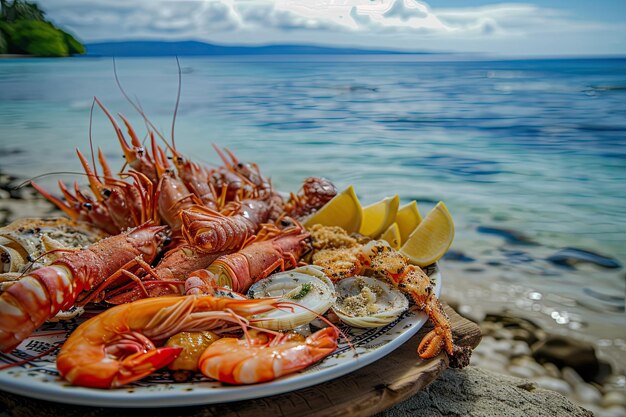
437 339
431 344
140 364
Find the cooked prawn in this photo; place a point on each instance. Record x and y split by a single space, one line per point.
252 360
119 346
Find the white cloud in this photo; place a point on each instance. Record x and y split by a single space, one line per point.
379 23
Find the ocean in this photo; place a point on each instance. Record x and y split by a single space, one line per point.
528 155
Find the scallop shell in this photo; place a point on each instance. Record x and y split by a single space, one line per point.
288 285
386 302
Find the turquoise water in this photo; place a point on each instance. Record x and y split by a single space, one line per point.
532 147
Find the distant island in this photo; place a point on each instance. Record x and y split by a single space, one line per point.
24 30
194 48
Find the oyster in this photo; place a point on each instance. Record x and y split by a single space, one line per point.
34 243
306 286
368 302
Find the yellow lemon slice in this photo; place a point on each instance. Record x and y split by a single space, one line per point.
408 218
378 216
344 210
392 235
431 238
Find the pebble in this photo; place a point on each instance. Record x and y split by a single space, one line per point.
473 313
571 376
615 411
4 195
506 351
613 398
502 334
553 384
587 393
493 366
520 348
527 362
487 330
553 370
502 346
521 371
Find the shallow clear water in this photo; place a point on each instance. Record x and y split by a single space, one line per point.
536 147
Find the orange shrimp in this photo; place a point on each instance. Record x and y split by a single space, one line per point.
41 294
248 361
118 346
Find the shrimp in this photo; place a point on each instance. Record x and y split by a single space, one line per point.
119 346
250 360
41 294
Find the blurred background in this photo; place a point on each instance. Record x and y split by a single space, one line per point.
513 114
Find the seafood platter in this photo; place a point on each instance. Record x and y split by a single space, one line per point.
172 283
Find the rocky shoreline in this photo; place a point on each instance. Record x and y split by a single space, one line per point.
517 347
511 345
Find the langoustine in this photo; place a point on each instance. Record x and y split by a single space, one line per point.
38 296
273 249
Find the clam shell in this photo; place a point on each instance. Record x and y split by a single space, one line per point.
387 302
288 286
33 238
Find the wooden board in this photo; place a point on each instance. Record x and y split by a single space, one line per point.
367 391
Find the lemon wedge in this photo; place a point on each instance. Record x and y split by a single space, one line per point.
408 218
344 210
392 235
378 217
431 238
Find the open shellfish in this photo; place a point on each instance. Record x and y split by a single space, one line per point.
368 302
306 286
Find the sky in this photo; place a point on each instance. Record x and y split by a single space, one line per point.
530 27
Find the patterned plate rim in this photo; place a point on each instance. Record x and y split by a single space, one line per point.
25 380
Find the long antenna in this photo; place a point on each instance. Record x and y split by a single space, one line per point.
138 108
177 102
93 159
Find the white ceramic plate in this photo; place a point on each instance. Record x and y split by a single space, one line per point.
40 379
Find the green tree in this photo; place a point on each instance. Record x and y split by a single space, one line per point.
4 46
38 38
73 45
21 10
24 30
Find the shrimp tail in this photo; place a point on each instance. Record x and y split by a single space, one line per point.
111 374
140 365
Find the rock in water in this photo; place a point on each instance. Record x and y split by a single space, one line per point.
457 256
569 257
564 351
510 236
522 329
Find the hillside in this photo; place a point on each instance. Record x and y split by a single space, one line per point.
24 30
194 48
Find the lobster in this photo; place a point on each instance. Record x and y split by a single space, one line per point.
38 296
273 249
315 192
